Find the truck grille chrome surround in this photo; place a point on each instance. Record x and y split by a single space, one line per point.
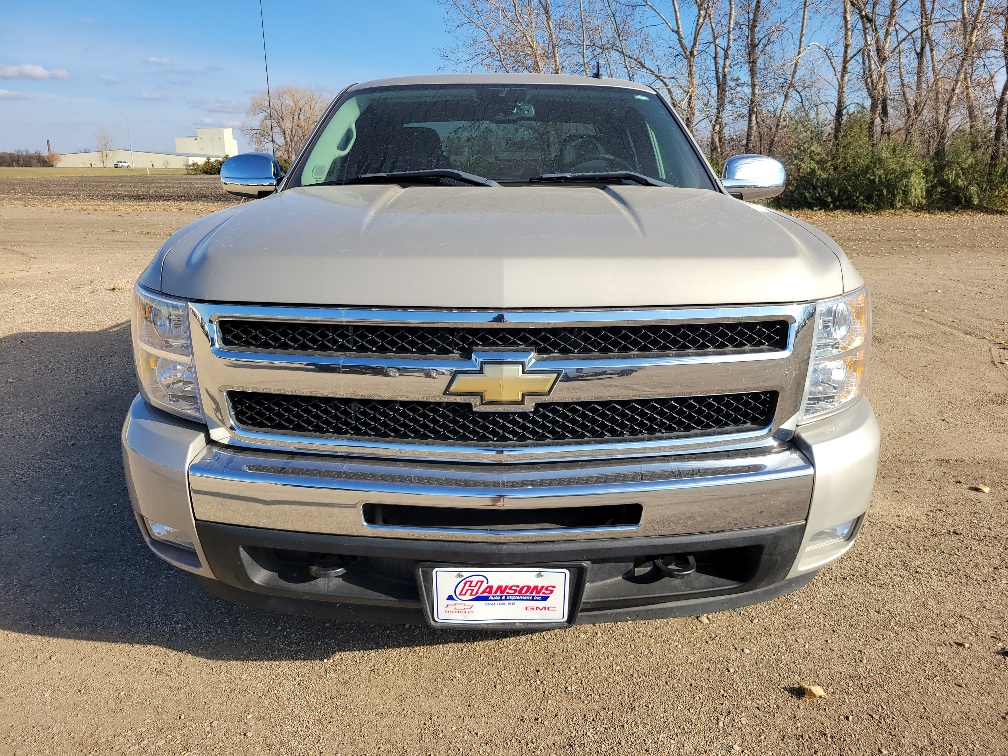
457 340
743 391
549 422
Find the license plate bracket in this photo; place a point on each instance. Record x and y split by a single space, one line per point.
483 604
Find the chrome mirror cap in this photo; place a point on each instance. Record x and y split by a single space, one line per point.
251 174
753 177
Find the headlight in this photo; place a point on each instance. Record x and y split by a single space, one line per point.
162 350
839 354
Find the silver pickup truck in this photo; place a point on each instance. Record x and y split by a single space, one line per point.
500 351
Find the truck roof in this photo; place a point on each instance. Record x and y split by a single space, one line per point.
501 78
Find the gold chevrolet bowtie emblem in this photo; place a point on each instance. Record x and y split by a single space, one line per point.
499 383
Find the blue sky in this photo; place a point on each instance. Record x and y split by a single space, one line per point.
67 68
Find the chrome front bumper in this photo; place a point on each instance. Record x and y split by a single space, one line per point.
678 495
177 477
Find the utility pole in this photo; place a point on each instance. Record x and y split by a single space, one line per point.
130 135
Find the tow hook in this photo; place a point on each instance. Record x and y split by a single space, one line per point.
330 566
676 565
671 565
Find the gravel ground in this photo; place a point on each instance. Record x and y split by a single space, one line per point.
104 649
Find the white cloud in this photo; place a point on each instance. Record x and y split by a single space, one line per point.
145 95
218 105
154 61
30 71
6 94
110 79
216 122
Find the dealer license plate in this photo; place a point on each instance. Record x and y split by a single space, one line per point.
524 594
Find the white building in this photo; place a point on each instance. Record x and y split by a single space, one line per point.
140 159
210 142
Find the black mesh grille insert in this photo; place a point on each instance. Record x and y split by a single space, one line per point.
548 422
297 336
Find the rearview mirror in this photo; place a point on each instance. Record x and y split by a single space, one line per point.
753 177
251 174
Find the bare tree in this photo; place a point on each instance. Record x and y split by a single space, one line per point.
790 86
284 120
763 23
878 20
722 29
1001 113
684 21
764 26
104 145
752 61
644 50
919 44
512 35
737 69
969 27
844 70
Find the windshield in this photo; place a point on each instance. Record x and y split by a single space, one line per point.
507 134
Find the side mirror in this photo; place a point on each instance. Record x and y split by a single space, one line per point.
753 177
251 174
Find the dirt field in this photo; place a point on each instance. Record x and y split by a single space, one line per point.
104 649
46 173
106 190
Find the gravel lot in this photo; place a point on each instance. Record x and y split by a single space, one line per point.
105 649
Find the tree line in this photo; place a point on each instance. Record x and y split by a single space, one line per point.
26 159
870 103
23 159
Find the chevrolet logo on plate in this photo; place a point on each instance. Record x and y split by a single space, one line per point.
503 385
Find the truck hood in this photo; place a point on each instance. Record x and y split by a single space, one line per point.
495 248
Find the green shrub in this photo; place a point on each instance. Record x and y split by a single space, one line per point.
209 167
212 167
851 173
965 176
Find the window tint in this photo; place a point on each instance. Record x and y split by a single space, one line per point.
507 133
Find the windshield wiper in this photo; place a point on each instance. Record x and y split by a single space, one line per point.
605 177
397 177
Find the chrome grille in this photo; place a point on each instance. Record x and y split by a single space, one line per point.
306 337
372 382
549 422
